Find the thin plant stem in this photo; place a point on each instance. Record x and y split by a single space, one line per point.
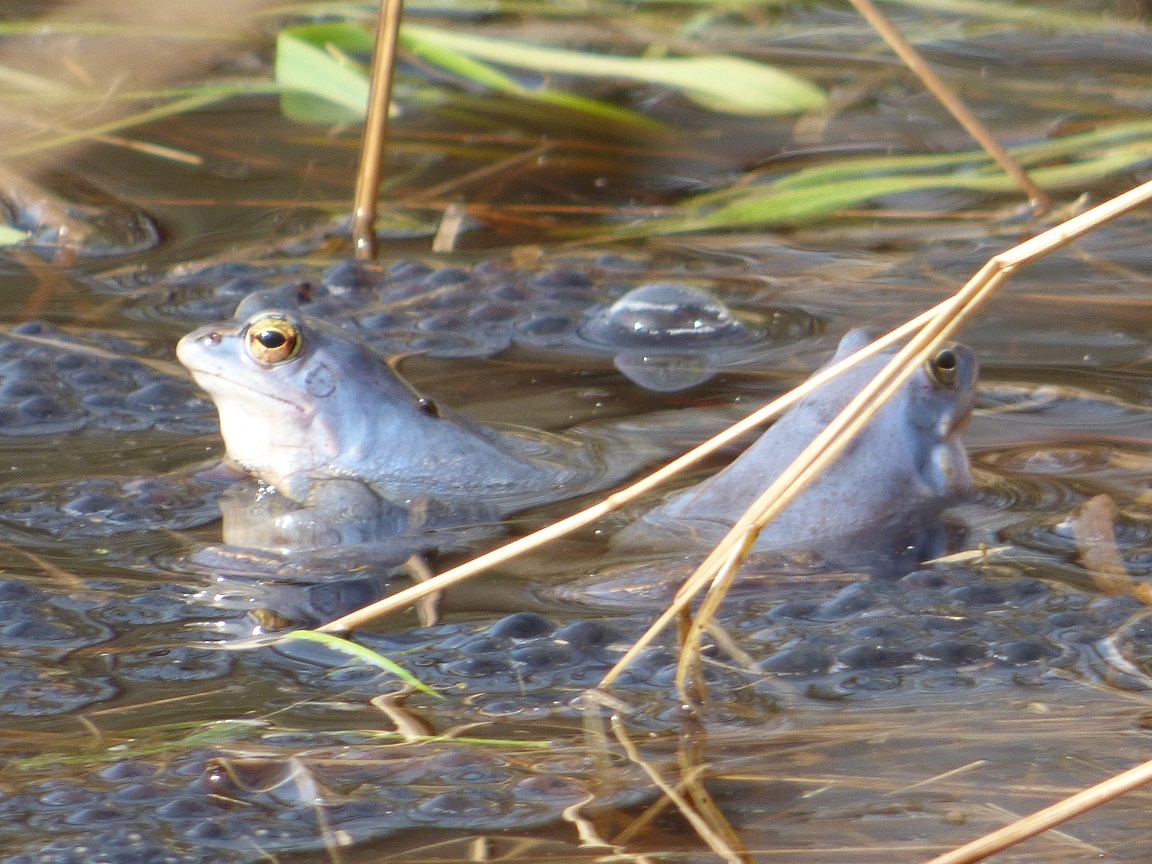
715 842
1049 817
375 143
947 97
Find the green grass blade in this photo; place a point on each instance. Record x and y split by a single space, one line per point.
360 654
313 63
728 84
432 51
786 203
1029 156
944 165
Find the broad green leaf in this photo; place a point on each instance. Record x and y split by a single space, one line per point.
359 654
729 84
313 61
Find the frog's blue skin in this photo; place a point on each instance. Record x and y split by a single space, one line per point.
883 494
335 425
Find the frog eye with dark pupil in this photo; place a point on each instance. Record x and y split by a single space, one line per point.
943 368
273 340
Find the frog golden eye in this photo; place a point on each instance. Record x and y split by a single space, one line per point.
944 367
273 340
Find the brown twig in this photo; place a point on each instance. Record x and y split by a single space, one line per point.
1049 817
904 49
375 143
716 843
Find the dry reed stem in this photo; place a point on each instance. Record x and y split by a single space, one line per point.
428 608
1049 817
1063 837
492 168
448 231
375 142
947 97
692 765
937 324
705 831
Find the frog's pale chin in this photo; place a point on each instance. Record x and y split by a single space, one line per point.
226 387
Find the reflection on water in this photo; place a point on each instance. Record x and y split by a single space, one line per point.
852 719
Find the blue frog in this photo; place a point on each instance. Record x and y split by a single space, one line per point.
314 412
883 495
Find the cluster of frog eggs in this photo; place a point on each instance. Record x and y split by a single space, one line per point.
664 335
203 807
928 629
51 382
99 506
40 631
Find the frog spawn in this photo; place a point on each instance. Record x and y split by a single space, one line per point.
826 637
847 642
103 506
57 647
53 382
665 336
260 791
255 797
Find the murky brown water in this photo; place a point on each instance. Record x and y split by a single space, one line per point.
900 768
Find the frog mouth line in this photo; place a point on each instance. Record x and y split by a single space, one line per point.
250 389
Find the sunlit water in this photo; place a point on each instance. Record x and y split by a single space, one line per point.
107 607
